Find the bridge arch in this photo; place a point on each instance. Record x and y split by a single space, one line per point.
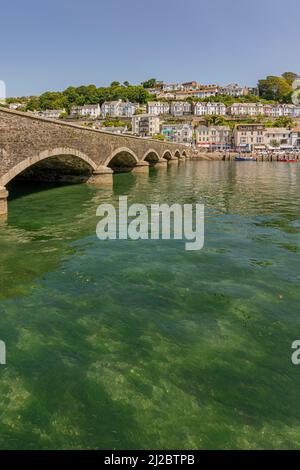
122 159
184 154
177 154
167 155
47 155
151 156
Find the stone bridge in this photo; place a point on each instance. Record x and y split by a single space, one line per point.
46 150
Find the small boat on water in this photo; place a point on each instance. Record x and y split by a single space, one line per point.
288 160
239 158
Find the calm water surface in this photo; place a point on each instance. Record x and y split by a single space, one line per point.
124 345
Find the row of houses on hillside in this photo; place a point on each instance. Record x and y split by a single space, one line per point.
121 108
198 90
117 108
200 108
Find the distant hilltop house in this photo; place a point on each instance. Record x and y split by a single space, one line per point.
179 91
50 113
145 125
118 108
234 90
206 92
88 110
171 87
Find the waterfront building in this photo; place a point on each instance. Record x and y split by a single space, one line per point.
208 109
295 137
213 137
180 108
145 125
158 107
88 110
179 133
249 137
277 137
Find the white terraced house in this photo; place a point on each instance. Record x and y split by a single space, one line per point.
273 111
88 110
269 110
208 109
277 137
50 113
118 108
158 107
179 108
246 109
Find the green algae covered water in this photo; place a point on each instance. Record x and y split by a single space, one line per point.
141 344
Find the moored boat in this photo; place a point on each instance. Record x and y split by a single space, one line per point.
288 160
239 158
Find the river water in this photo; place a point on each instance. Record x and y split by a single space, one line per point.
141 344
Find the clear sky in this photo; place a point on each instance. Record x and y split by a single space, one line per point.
52 44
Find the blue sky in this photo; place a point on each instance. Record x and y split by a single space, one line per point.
51 44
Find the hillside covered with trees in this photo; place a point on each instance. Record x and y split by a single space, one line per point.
272 89
90 94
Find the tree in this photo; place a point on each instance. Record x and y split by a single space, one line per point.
33 104
283 122
274 88
115 84
290 77
274 143
149 83
126 83
214 120
159 137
